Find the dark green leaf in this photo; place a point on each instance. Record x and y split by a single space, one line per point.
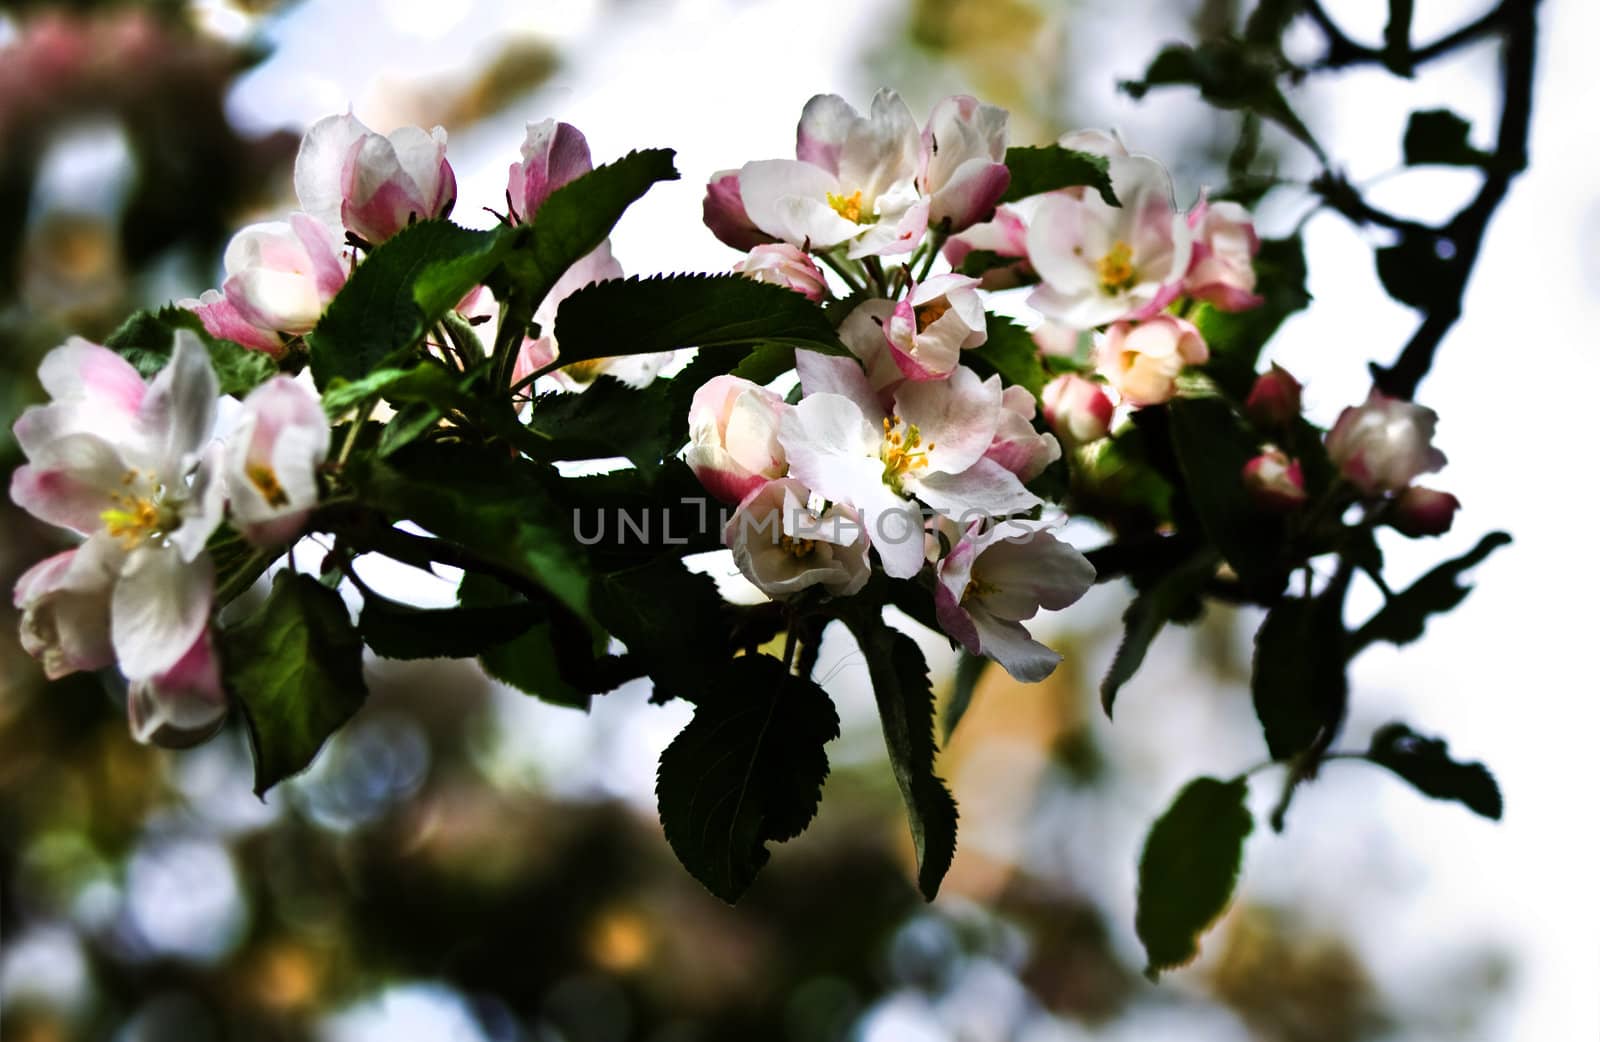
627 517
1189 868
1298 681
400 291
295 668
969 669
672 620
427 381
145 340
996 270
1051 167
1426 764
1212 448
399 631
905 707
609 418
669 312
1237 338
1414 272
1439 136
1011 352
1147 615
747 770
1404 617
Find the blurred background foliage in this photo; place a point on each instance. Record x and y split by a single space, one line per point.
463 864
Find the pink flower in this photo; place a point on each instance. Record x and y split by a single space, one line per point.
1422 511
1384 444
862 331
782 546
281 275
853 183
733 437
1275 481
783 265
724 213
371 184
65 602
1101 263
1077 409
999 576
183 705
222 320
272 458
1222 269
1017 446
963 162
129 466
1142 360
933 324
1274 399
553 154
843 445
1006 235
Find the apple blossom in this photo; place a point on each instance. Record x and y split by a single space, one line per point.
224 321
733 437
129 467
1222 266
1382 445
783 265
65 601
282 274
783 546
1101 263
1275 481
724 213
372 184
1006 235
553 154
853 182
1274 399
1422 511
964 162
182 706
1076 409
844 445
862 331
933 324
999 576
1017 446
1142 360
272 457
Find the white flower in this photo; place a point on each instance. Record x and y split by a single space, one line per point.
1384 444
783 546
272 459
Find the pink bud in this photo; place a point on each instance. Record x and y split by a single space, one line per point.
373 184
1076 409
1222 266
964 172
553 154
224 321
1275 481
272 459
1142 360
1016 445
1274 399
783 265
733 437
281 274
725 214
1382 445
65 603
1422 511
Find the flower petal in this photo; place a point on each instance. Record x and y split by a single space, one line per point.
159 607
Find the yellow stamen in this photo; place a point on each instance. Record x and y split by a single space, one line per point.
266 482
797 548
132 523
1116 269
931 312
902 451
846 206
976 589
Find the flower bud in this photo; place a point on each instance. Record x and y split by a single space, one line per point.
553 154
1017 446
272 458
724 213
1275 481
1222 266
1422 511
1077 409
933 324
733 437
282 274
373 184
964 171
1274 399
1382 445
65 603
783 265
1142 360
224 321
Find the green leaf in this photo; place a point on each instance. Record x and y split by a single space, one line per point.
499 508
427 381
969 670
1189 868
1148 615
238 564
1212 448
1426 764
1298 682
1405 616
1414 272
905 707
578 216
671 619
1237 338
399 292
1439 136
609 418
398 631
1011 352
294 666
1051 167
747 770
1230 74
670 312
145 340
